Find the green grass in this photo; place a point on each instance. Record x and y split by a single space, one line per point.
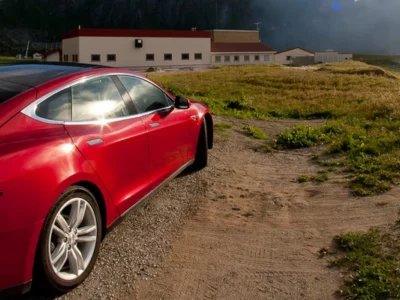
222 126
389 62
323 177
10 59
360 103
371 261
255 133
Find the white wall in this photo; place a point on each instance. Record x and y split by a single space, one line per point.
54 57
70 47
281 58
252 61
129 56
330 57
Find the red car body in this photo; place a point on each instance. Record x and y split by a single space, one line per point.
39 160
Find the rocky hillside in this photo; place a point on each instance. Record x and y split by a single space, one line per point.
44 21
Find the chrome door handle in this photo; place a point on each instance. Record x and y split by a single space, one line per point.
153 125
95 142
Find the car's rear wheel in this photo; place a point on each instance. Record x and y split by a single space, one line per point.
70 240
201 159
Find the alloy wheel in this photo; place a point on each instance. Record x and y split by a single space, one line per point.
72 239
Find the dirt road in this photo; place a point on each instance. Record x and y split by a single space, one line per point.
257 233
240 229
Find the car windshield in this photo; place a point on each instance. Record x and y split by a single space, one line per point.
9 90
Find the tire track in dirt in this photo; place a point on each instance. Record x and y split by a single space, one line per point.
257 232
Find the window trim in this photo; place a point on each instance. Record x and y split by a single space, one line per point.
247 58
115 59
188 54
65 56
91 58
227 58
238 58
220 59
30 110
257 57
201 56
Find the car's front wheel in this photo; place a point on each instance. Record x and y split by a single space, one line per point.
201 159
70 239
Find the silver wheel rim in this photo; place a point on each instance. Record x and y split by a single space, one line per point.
72 239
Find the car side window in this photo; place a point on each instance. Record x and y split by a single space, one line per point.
97 99
145 95
56 107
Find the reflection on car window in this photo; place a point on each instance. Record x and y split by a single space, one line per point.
146 96
56 107
97 99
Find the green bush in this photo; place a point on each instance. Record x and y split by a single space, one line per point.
301 136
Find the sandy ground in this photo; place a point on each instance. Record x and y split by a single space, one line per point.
240 229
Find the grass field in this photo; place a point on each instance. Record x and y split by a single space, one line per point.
361 106
10 59
390 62
360 102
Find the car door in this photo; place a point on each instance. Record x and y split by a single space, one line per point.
167 127
112 137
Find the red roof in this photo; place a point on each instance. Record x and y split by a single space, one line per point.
51 52
135 33
294 49
240 47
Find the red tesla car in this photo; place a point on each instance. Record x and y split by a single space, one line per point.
79 147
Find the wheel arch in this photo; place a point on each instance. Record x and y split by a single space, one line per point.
98 196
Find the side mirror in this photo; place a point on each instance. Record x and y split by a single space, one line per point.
181 103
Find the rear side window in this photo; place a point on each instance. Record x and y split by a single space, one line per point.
145 95
97 99
57 107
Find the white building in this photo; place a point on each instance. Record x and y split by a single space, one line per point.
331 56
239 47
37 56
241 54
138 49
52 56
289 56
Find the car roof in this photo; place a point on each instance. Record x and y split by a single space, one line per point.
34 74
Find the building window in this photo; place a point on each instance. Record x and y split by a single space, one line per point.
257 57
288 58
111 57
237 58
185 56
95 57
198 56
247 58
75 57
218 59
65 57
149 57
168 56
227 58
266 57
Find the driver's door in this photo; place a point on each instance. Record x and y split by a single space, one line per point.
167 127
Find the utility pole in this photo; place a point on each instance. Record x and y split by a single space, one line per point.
27 49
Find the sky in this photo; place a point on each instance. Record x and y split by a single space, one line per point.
356 26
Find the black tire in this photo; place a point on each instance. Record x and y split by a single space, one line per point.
201 159
44 271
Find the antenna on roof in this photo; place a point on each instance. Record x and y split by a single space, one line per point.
258 25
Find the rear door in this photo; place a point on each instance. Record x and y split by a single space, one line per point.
167 127
108 132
